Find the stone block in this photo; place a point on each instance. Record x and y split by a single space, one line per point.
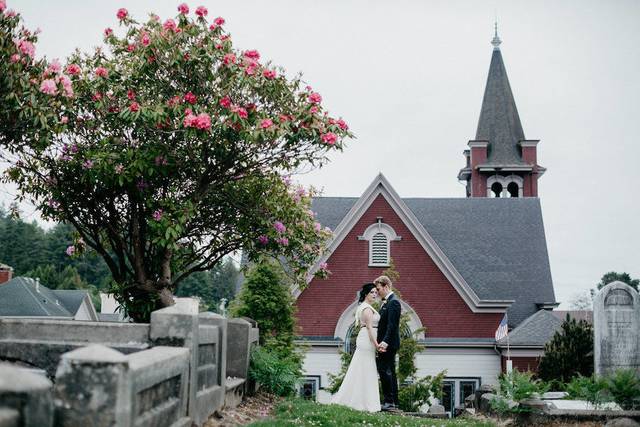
616 323
93 388
622 422
26 397
436 409
485 402
238 347
555 395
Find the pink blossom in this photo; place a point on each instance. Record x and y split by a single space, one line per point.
131 95
157 215
219 21
263 240
145 39
190 98
173 101
229 58
15 58
70 250
266 123
315 98
160 161
324 266
283 241
169 24
202 11
73 69
317 227
134 106
329 138
66 86
3 5
269 74
53 68
279 226
53 204
64 120
189 120
26 47
342 124
283 118
314 109
122 13
241 112
96 96
251 69
252 54
203 121
183 9
119 168
108 32
225 102
48 86
10 13
88 164
102 72
131 47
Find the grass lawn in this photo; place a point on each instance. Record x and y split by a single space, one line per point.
305 413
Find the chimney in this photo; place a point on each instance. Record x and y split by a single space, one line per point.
6 273
38 284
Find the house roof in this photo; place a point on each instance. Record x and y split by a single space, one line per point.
499 121
498 245
534 331
71 299
23 296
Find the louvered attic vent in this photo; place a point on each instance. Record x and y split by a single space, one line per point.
379 250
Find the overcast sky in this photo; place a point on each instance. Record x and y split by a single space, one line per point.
408 77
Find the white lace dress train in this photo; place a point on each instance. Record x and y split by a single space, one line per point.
359 389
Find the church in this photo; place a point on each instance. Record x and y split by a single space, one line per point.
463 263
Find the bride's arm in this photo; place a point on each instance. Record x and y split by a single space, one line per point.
368 321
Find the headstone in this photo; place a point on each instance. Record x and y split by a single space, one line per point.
436 409
616 322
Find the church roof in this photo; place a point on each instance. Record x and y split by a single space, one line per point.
534 331
498 245
499 121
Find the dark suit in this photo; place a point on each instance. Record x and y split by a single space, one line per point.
389 332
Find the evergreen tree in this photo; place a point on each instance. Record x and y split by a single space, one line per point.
612 276
569 353
265 298
211 286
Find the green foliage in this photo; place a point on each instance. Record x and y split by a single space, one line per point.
211 286
415 394
265 298
409 347
276 374
624 387
166 149
593 389
612 276
335 381
520 385
298 412
569 353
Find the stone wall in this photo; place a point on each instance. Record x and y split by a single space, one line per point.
170 372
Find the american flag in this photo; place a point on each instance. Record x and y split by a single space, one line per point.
503 329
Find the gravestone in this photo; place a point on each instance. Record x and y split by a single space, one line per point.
616 323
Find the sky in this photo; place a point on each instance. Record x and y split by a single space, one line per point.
408 77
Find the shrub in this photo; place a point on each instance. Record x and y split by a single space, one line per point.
592 389
569 353
624 387
277 374
414 395
520 385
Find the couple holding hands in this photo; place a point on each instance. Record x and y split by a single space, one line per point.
377 343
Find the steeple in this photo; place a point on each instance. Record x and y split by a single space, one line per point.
500 162
499 120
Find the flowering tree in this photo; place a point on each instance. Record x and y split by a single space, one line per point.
166 150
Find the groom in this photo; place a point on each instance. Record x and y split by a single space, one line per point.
388 342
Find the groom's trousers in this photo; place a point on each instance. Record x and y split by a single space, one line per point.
386 364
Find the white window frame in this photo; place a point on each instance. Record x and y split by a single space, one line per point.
388 232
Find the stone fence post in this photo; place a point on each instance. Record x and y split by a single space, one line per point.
238 344
25 398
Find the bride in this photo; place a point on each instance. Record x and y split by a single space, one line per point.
359 389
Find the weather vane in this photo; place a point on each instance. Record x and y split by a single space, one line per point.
496 40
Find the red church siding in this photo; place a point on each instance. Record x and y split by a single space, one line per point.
522 364
422 285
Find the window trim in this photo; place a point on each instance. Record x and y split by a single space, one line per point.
388 232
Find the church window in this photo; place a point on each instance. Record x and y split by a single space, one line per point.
513 189
379 250
496 189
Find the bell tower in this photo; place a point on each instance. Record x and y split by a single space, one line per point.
500 161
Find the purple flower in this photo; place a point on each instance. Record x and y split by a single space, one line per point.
74 148
280 228
71 250
141 184
53 204
283 241
160 161
263 240
317 227
88 164
323 266
157 215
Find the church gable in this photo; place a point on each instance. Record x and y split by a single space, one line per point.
422 283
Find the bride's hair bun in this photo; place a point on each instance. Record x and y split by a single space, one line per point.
366 288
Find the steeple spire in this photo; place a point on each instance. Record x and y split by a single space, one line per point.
496 40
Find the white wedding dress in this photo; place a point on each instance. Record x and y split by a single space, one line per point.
359 389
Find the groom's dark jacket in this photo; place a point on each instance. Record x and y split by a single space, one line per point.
389 324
